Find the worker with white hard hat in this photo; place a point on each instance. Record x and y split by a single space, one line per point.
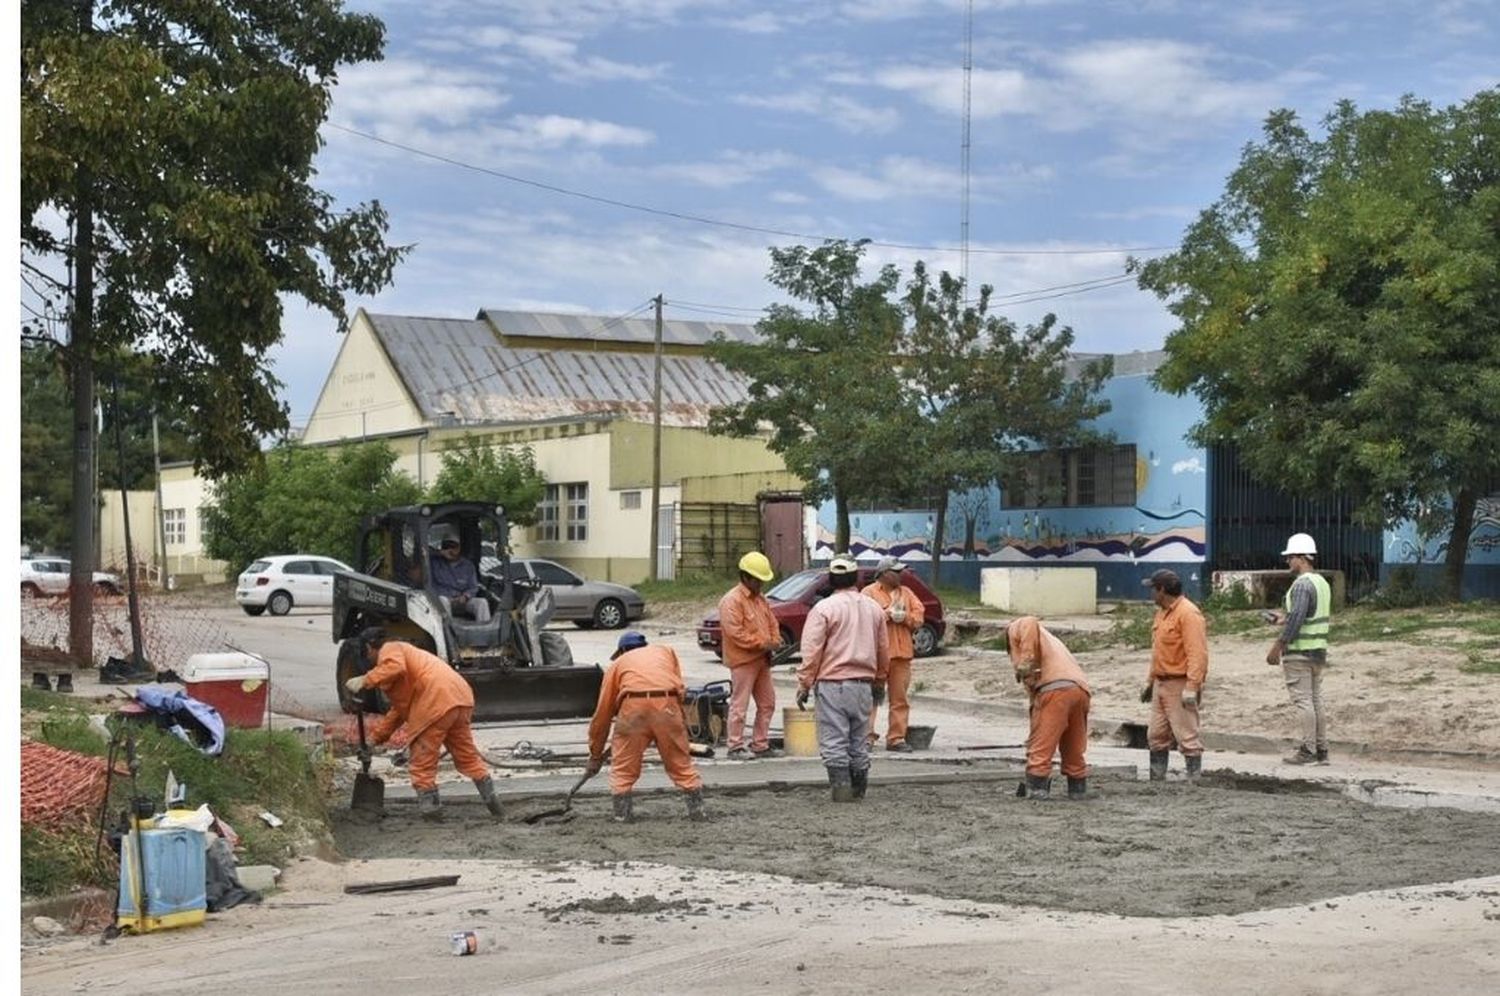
1301 650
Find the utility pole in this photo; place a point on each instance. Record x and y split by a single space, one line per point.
656 452
81 353
968 98
161 513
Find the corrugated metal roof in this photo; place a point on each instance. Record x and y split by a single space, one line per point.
458 366
552 325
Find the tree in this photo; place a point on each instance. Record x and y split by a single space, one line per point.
1339 311
823 380
476 470
303 499
167 205
983 389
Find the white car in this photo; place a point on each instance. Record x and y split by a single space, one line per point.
279 583
49 576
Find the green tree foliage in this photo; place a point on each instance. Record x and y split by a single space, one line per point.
303 499
981 390
188 131
46 443
822 378
1340 311
475 470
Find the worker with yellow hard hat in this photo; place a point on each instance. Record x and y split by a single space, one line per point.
750 634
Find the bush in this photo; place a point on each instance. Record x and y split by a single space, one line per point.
1403 590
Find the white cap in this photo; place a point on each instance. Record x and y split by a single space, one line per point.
1300 545
842 564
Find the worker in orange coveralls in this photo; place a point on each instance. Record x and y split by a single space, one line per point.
750 633
1179 667
904 616
1059 696
435 704
642 697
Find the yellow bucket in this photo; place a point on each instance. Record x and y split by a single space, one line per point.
801 732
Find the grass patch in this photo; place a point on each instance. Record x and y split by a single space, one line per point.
954 597
690 588
258 770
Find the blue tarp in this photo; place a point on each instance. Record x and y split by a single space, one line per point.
181 707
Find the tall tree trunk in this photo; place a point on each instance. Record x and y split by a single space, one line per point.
841 520
81 350
971 522
939 534
1458 542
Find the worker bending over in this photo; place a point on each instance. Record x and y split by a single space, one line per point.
435 704
1059 696
642 697
846 655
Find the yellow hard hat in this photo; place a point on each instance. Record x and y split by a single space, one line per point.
757 565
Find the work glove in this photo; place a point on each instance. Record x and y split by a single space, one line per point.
363 754
877 692
355 684
400 758
594 766
897 612
1190 697
803 694
1146 693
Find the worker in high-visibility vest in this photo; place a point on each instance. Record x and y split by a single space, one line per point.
1302 648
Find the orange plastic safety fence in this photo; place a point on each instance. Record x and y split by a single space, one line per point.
59 785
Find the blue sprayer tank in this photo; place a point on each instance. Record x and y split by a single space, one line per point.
175 886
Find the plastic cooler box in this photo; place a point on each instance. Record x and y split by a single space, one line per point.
235 684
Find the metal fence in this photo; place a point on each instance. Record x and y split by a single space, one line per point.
713 535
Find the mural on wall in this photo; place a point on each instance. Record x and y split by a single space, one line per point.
1166 523
1406 545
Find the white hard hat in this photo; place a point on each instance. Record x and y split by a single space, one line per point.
1300 545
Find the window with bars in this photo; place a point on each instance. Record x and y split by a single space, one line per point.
174 526
576 519
546 515
630 500
1073 478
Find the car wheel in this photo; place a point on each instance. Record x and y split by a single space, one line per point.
30 590
280 603
609 614
924 641
253 610
584 623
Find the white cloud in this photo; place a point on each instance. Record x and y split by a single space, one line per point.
550 131
907 176
844 113
402 92
561 55
731 169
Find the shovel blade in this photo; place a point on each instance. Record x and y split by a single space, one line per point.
369 794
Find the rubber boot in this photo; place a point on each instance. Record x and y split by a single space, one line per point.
1078 788
1039 787
486 787
429 807
859 781
1194 766
695 805
841 785
624 808
1158 766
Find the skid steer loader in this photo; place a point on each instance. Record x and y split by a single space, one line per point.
518 671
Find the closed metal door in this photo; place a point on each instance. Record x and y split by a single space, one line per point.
666 542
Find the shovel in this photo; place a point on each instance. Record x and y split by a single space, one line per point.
369 791
559 815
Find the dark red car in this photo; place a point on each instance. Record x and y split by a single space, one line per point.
794 596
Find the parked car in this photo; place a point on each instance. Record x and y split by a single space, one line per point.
49 576
794 596
586 603
278 583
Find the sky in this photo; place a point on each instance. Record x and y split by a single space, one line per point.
1099 129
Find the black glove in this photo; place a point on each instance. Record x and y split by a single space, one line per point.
877 692
400 758
1146 693
363 754
803 694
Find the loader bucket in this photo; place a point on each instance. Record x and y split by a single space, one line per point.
535 692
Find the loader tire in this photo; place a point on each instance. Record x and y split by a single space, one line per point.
555 651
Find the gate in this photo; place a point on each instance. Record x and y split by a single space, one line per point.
1249 522
666 542
781 532
714 535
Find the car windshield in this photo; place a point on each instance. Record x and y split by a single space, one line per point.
793 587
257 567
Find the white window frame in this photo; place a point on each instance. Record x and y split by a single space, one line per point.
630 501
174 526
576 512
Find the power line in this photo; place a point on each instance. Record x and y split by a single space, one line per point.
717 222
